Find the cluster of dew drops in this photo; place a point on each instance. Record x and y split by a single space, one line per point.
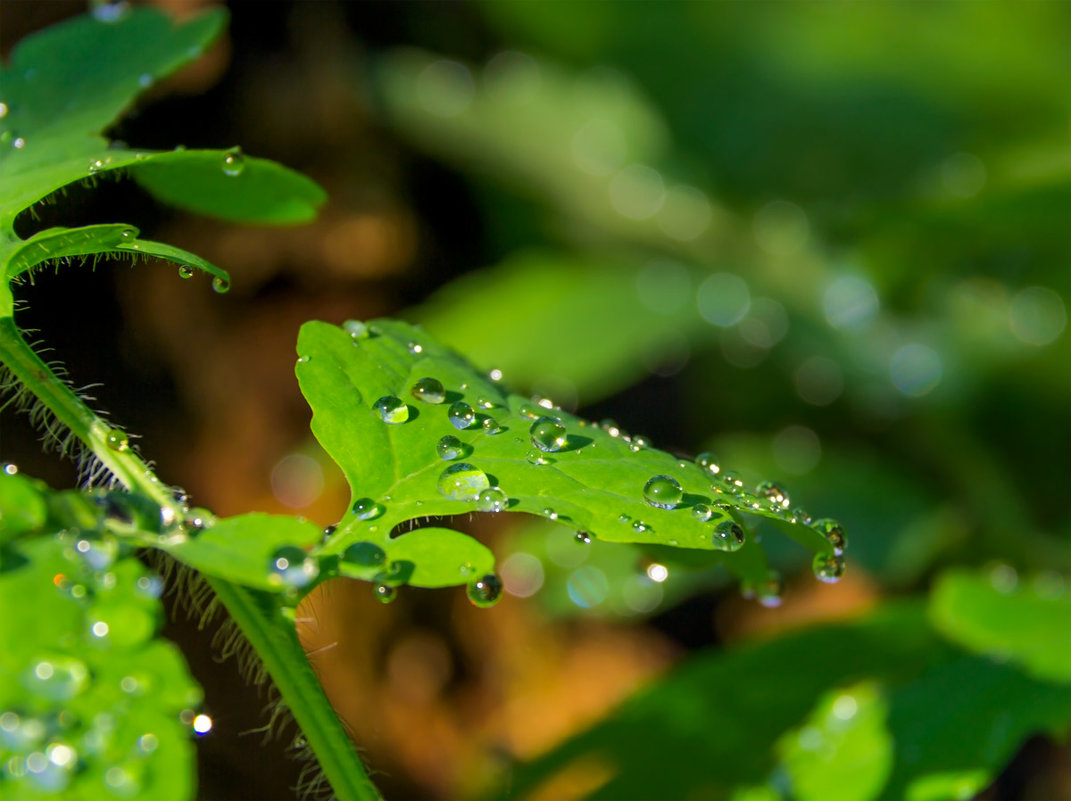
463 481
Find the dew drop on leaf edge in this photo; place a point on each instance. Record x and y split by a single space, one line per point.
486 591
233 162
384 593
728 536
492 499
828 567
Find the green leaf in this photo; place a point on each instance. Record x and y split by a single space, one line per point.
22 508
595 482
1028 625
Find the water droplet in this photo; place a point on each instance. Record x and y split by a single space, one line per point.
109 12
233 162
415 348
185 271
494 374
833 532
95 166
771 590
702 512
491 426
663 492
639 443
391 410
530 410
733 482
291 567
117 440
802 516
486 591
367 509
774 493
385 593
623 518
365 554
450 447
127 234
708 462
484 403
548 434
537 458
828 567
462 482
492 499
221 285
639 526
461 415
429 390
728 536
583 538
356 329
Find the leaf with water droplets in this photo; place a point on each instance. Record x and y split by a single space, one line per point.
590 477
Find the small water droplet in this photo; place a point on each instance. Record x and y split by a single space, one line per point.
623 518
802 516
639 526
728 536
490 426
494 374
771 590
415 348
367 509
365 554
733 482
291 567
484 403
708 462
461 415
384 593
492 499
583 538
702 512
429 390
538 458
549 513
185 271
221 285
486 591
530 410
233 162
828 567
774 493
450 447
833 531
462 482
117 440
356 329
639 443
391 410
663 492
327 532
548 434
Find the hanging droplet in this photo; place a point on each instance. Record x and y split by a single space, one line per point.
462 482
367 509
233 162
356 329
117 440
639 443
365 554
450 447
291 567
391 410
828 567
384 593
530 410
833 531
774 493
702 512
486 591
461 415
583 538
221 285
492 499
728 536
548 434
185 271
663 492
429 390
708 462
771 590
490 426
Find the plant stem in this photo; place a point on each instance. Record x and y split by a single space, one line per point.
272 635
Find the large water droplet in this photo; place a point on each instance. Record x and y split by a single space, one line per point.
291 567
463 482
833 532
365 554
486 591
117 440
775 495
708 462
663 492
548 434
221 285
367 509
233 162
429 390
461 415
450 447
702 512
492 499
828 567
391 410
728 536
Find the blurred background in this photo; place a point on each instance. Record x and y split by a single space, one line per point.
827 242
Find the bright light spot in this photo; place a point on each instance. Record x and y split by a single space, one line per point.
148 743
641 594
850 302
637 192
495 374
445 88
845 707
664 286
100 629
522 574
3 110
60 755
587 587
963 175
781 228
44 670
83 546
297 481
36 762
11 468
915 370
819 381
796 450
202 724
723 299
599 148
19 143
1037 315
512 77
657 573
686 213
